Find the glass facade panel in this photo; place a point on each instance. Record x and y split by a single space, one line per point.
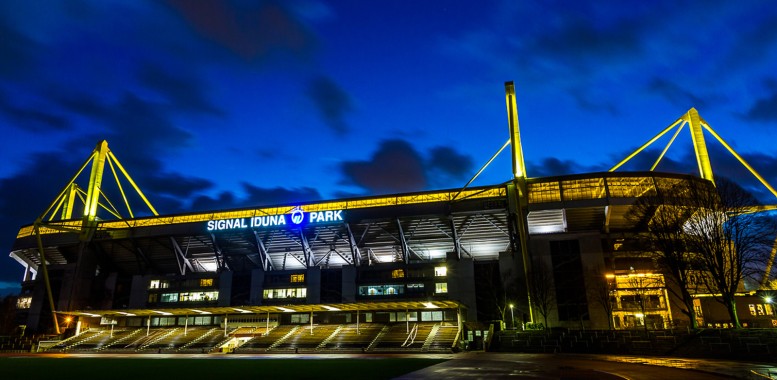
581 189
544 192
630 187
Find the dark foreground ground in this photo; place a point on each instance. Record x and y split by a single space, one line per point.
470 365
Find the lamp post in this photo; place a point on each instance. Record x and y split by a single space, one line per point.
512 317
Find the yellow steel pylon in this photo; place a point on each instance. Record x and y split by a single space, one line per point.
697 126
63 206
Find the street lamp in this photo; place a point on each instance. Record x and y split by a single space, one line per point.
512 316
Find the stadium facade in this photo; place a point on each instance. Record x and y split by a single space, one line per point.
453 257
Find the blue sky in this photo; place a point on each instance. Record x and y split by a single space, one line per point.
214 105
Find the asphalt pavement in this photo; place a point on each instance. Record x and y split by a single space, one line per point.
482 365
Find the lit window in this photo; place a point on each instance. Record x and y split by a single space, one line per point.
284 293
205 282
153 297
298 278
381 290
199 296
441 271
169 297
154 284
398 273
441 287
23 302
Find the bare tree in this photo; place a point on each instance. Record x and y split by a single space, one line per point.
602 290
731 240
541 290
662 216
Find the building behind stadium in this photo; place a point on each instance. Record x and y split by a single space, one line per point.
463 256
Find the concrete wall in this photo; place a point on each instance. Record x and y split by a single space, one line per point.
461 284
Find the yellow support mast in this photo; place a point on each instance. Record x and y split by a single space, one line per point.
519 182
64 205
99 156
699 146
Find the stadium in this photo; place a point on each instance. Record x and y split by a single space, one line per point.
425 271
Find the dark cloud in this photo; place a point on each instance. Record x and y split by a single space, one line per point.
141 129
250 30
332 102
764 109
552 166
677 94
183 92
32 119
25 196
256 197
579 38
176 185
585 100
395 168
756 36
16 51
450 164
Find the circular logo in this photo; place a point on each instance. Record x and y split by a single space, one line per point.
297 216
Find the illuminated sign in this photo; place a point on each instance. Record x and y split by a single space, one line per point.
296 217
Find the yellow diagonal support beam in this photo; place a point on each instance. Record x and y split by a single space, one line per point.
134 186
640 149
668 145
740 159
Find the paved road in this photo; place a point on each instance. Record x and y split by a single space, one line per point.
584 367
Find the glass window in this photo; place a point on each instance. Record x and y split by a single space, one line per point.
153 297
205 282
430 316
298 277
169 297
441 287
300 318
441 271
154 284
23 302
398 273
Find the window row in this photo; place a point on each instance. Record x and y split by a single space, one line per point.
183 297
190 283
396 289
284 293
